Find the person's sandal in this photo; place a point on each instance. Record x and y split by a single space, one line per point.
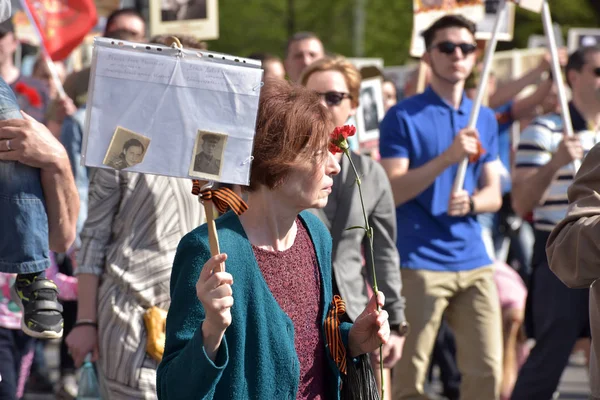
42 313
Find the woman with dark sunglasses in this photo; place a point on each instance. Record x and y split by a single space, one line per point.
338 82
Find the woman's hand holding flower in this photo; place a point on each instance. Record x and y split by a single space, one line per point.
370 329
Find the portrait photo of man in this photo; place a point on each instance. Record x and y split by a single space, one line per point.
126 149
179 10
209 152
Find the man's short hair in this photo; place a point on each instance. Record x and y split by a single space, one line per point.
299 36
133 143
132 12
578 59
447 21
207 137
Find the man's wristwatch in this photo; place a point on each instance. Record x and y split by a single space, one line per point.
471 206
401 329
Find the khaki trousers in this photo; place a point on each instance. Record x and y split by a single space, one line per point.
472 308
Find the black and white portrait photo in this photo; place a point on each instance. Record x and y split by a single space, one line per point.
177 10
371 117
127 149
208 154
370 109
199 18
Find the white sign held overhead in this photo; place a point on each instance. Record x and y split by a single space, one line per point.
426 12
148 103
531 5
507 22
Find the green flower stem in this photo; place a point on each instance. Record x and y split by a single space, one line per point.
369 231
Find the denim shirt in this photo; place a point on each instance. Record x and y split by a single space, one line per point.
24 244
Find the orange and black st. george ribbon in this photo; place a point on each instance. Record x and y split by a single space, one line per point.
223 198
333 335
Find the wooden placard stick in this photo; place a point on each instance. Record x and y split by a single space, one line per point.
209 211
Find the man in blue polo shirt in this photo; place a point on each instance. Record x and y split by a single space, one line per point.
444 260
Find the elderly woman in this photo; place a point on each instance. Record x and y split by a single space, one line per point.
337 82
270 344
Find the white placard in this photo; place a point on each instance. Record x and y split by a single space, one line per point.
426 12
198 18
370 110
366 62
507 23
535 41
583 37
167 96
531 5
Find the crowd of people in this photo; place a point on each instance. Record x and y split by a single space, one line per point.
87 255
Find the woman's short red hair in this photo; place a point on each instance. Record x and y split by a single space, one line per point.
292 125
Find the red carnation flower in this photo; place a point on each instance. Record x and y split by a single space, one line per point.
338 142
32 95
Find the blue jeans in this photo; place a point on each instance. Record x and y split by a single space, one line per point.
23 220
14 345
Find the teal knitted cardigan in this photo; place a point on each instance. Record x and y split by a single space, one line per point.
257 358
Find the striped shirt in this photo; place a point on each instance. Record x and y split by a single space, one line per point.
129 239
538 143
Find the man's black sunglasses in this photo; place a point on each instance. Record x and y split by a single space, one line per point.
334 98
597 72
449 47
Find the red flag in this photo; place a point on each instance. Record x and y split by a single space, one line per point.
62 24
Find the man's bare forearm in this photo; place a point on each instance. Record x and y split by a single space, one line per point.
487 199
413 182
62 203
525 107
509 90
87 296
527 193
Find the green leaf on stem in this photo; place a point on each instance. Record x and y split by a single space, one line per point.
355 227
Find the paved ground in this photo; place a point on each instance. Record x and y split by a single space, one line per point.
573 386
574 383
